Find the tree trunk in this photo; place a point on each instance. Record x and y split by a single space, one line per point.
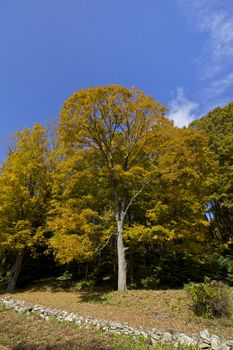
15 272
2 264
121 257
131 263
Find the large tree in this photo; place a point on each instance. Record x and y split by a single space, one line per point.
24 194
118 148
123 132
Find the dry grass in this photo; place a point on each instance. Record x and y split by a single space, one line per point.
18 332
154 309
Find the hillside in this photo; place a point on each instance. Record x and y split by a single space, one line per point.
158 309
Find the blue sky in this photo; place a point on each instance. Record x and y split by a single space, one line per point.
178 51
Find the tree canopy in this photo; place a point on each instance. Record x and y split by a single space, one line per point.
117 145
24 193
218 125
116 191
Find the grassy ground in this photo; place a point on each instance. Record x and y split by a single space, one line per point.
21 332
163 310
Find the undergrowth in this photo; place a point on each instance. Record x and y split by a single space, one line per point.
210 299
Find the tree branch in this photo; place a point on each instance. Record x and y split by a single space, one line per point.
135 196
99 248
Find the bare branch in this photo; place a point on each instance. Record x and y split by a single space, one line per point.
135 196
99 248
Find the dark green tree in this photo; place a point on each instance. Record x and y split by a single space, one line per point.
218 124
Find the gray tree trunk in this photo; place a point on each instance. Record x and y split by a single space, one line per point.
122 267
15 272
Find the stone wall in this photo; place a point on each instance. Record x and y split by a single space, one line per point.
203 340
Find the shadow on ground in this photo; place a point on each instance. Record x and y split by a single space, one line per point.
96 294
95 345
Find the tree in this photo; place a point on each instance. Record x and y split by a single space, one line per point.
24 193
122 160
185 183
169 217
119 134
218 125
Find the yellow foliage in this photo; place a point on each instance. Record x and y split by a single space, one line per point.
24 190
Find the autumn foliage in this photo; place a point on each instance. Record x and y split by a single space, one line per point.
117 185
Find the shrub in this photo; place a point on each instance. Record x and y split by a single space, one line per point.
210 299
85 284
150 282
226 265
65 280
4 279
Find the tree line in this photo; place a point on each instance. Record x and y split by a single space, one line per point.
114 191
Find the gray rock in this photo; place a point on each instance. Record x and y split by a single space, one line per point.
225 347
78 322
167 337
115 325
9 304
154 330
215 342
205 335
185 340
70 318
229 342
154 336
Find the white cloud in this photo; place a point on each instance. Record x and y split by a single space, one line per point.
213 18
219 49
181 109
217 87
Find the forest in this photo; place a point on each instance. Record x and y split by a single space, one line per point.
113 194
